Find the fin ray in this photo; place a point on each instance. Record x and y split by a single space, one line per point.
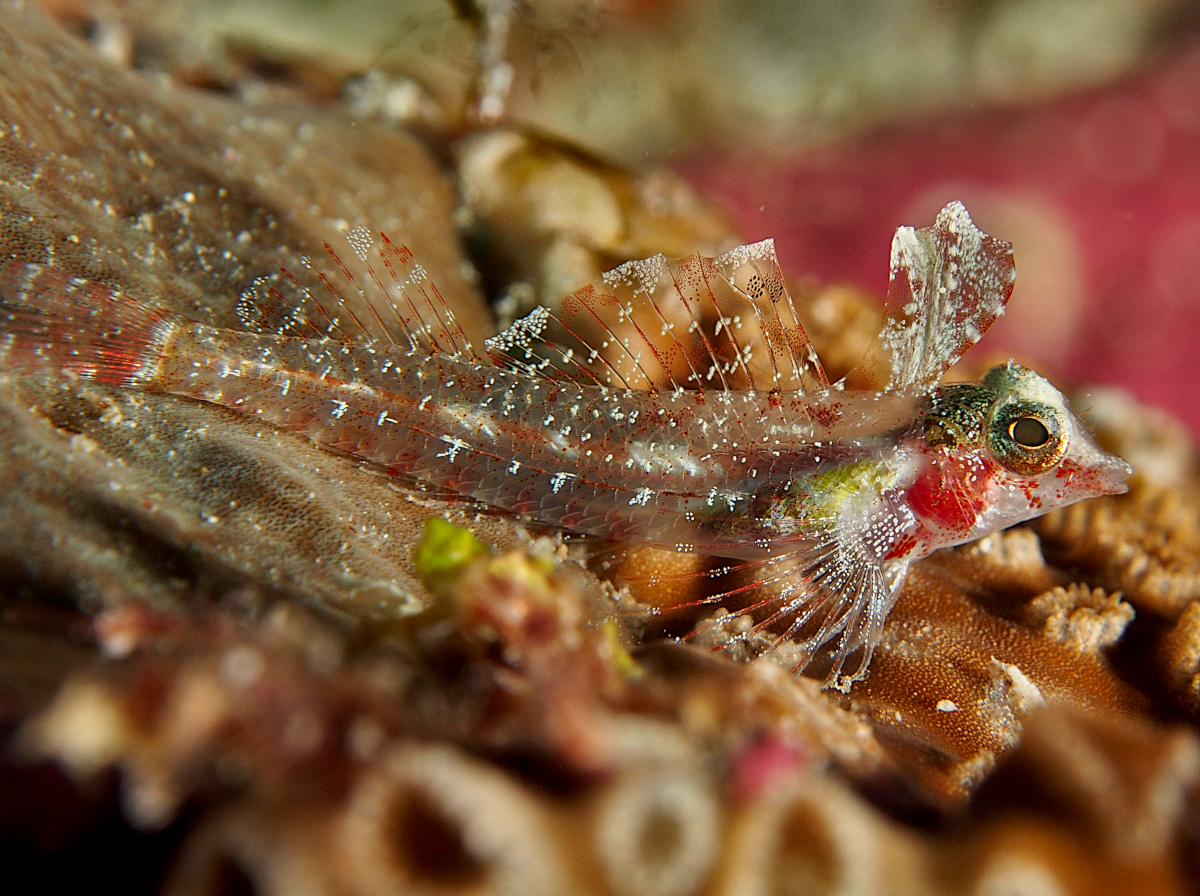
401 306
51 321
689 323
823 598
949 283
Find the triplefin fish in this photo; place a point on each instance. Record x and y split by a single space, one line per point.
675 403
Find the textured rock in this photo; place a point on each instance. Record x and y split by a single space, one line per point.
185 199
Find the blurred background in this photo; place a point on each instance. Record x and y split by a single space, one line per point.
1070 127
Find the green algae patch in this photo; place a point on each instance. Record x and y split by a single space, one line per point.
622 659
445 551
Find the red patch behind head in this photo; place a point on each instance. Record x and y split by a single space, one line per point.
950 491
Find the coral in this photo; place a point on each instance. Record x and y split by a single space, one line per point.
385 807
1124 782
959 682
554 219
1145 543
777 76
628 79
186 198
1179 659
1081 618
293 673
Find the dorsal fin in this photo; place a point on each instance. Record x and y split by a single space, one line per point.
387 297
949 283
687 323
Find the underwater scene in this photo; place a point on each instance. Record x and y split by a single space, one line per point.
636 447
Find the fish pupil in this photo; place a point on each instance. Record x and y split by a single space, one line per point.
1029 432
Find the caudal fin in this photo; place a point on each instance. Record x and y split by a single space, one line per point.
51 322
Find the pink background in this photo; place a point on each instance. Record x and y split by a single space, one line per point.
1099 194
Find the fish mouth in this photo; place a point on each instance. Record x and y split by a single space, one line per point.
1111 474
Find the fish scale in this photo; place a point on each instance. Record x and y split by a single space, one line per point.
632 460
675 403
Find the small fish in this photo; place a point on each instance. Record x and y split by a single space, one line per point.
676 403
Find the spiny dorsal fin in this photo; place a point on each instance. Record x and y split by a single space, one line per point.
390 299
753 271
687 323
949 283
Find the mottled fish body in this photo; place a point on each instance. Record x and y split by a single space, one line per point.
674 403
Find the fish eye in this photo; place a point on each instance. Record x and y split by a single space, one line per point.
1028 432
1027 437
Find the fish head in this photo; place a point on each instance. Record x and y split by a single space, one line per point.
1015 440
1034 436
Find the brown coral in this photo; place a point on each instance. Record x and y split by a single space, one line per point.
1179 659
1145 543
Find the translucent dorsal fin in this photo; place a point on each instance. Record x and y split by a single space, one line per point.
383 295
687 323
949 283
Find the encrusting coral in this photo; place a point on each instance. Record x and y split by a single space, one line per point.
309 679
1145 543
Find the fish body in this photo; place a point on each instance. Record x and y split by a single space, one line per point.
676 404
682 469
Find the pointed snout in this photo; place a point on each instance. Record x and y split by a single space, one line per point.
1111 475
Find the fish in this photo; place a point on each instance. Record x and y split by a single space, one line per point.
676 403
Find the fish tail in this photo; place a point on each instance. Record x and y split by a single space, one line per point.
52 322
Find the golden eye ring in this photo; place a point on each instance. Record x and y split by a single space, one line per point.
1027 437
